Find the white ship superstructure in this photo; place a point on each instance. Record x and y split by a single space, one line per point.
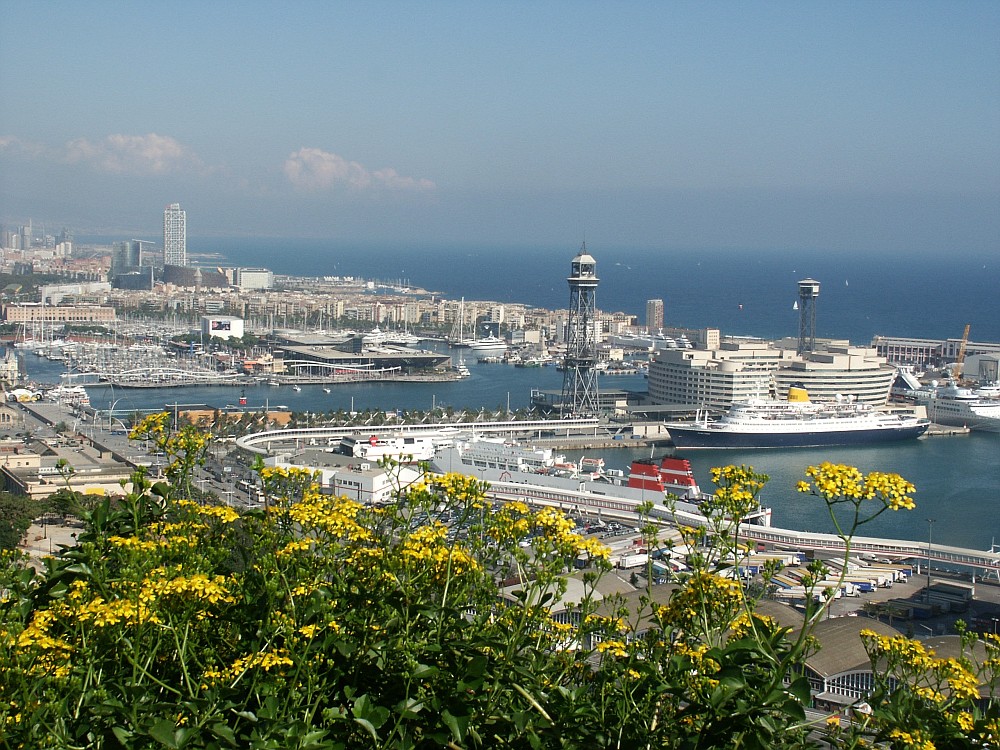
490 346
961 407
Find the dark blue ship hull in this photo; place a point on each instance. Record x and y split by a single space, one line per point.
687 438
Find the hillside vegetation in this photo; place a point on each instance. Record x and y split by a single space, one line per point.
321 623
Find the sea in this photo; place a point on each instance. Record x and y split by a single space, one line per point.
750 293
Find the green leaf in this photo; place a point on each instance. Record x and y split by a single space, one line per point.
409 708
368 727
163 732
220 729
800 689
313 739
424 670
457 724
123 735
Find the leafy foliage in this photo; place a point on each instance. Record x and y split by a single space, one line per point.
16 514
318 622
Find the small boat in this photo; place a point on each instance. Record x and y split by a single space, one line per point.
326 390
273 382
296 387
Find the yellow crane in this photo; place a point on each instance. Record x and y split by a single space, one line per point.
957 373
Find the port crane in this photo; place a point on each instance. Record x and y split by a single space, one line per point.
960 357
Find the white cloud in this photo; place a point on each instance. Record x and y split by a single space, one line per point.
11 144
133 154
315 169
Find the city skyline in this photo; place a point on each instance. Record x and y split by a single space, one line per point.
833 128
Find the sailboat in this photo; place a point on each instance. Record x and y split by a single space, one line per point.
457 336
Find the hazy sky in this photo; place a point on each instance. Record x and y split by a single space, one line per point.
836 126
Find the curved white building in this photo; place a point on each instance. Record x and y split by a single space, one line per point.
742 370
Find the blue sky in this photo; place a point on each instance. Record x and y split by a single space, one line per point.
835 127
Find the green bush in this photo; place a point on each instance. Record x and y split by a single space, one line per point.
320 623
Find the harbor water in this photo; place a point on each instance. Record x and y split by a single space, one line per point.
957 477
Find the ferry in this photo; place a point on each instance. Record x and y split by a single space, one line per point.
795 423
535 474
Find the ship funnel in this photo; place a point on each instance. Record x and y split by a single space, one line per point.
798 394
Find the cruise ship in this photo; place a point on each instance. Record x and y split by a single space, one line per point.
961 407
796 423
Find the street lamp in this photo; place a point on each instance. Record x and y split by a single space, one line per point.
930 530
111 413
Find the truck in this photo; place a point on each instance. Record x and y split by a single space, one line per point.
633 561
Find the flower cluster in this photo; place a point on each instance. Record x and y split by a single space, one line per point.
706 602
837 483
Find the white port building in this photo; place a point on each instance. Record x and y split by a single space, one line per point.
715 378
741 370
222 326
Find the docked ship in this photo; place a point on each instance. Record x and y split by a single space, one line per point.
401 448
68 395
490 346
961 407
535 474
796 423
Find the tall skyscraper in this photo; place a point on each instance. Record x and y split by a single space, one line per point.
579 393
654 315
174 236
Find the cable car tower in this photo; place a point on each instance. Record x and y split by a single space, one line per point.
808 292
579 393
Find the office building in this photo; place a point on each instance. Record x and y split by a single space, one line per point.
248 279
174 236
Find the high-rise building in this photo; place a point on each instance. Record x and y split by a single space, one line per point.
654 315
174 236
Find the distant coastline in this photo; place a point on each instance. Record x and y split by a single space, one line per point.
862 295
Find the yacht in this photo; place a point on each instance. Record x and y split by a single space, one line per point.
490 346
